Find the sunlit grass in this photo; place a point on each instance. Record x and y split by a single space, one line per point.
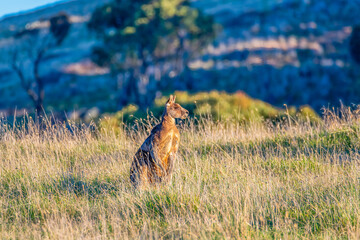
295 179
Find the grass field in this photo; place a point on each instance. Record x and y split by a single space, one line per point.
232 180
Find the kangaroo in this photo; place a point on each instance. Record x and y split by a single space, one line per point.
154 161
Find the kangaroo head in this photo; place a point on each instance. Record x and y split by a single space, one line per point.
175 110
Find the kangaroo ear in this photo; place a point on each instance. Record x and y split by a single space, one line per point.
174 97
170 100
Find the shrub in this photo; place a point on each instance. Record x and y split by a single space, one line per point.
220 106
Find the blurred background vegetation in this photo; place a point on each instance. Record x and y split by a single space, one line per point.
235 60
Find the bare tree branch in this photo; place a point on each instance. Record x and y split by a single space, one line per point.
26 58
19 71
28 52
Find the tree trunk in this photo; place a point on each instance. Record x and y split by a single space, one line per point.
39 113
39 105
182 65
132 90
180 55
145 98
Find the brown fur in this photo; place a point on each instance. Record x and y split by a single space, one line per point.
154 161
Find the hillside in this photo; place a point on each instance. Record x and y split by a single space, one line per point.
268 49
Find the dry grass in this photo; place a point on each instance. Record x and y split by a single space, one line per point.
232 180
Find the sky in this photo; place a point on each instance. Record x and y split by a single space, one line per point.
14 6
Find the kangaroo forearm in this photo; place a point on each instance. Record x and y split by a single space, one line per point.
157 160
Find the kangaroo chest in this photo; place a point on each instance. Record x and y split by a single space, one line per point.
169 143
164 142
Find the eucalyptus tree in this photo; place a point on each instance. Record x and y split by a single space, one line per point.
142 34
